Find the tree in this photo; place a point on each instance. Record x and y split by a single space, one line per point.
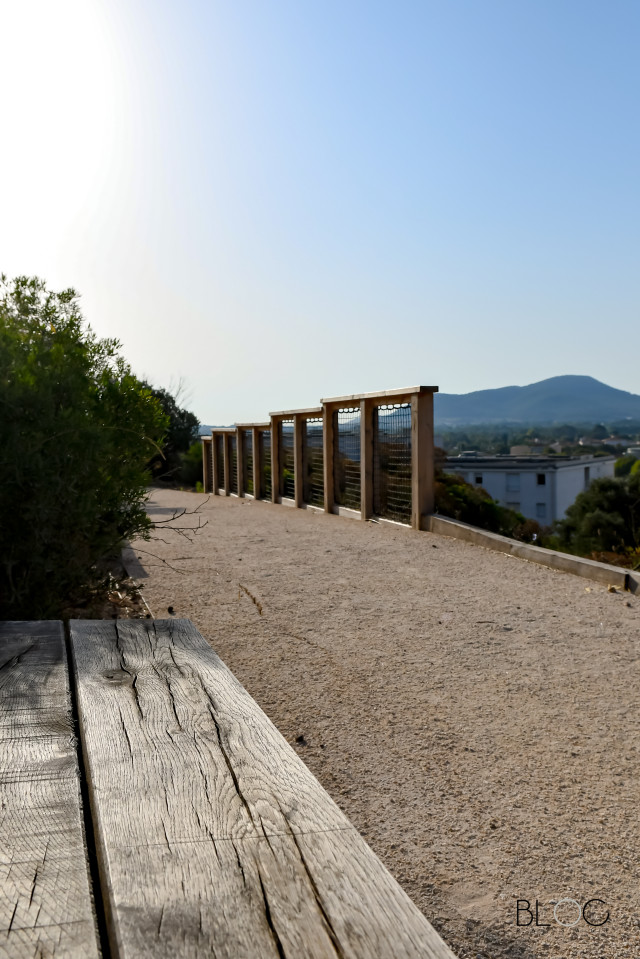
76 430
181 434
604 518
624 465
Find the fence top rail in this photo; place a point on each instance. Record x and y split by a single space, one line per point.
289 414
253 426
379 395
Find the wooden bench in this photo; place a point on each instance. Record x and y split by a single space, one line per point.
206 835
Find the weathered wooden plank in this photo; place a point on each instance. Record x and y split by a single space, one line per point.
213 837
45 903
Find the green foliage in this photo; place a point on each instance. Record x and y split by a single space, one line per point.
191 468
500 438
181 433
604 518
624 465
460 500
635 469
76 430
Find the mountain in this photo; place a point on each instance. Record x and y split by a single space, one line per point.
560 399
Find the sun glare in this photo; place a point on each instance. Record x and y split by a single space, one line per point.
62 99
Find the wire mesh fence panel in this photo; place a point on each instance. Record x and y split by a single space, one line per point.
209 480
392 462
287 468
347 457
265 463
233 449
219 477
313 462
247 460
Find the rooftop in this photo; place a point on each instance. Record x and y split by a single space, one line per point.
524 461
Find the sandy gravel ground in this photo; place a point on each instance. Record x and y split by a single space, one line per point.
476 716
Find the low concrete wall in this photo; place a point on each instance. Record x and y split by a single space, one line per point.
600 572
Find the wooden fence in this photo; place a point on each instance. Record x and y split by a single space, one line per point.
366 455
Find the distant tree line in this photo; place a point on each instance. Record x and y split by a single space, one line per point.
179 461
499 438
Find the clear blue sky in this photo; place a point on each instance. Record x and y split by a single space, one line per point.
279 201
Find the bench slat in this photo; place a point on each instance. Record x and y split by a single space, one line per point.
45 904
213 836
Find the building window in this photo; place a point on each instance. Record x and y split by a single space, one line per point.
587 477
541 510
514 506
541 479
513 482
479 478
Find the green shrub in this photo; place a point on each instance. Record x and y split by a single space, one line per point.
604 518
76 430
191 465
167 464
460 500
625 464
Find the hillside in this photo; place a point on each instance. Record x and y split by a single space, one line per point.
560 399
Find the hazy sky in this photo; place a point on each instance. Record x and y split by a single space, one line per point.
283 200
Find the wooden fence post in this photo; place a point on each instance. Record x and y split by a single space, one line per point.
298 458
206 464
226 446
257 463
327 455
275 460
240 461
422 460
215 468
366 459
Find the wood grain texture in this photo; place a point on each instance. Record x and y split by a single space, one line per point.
214 838
45 903
422 459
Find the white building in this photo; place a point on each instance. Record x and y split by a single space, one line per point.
539 487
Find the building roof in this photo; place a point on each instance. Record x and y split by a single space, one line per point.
533 462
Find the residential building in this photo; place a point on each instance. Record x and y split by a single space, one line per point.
539 487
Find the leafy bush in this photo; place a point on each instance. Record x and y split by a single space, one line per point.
167 464
604 518
191 466
624 465
76 430
460 500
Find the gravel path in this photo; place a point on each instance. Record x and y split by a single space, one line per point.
474 715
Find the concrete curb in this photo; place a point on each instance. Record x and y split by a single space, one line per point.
599 572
